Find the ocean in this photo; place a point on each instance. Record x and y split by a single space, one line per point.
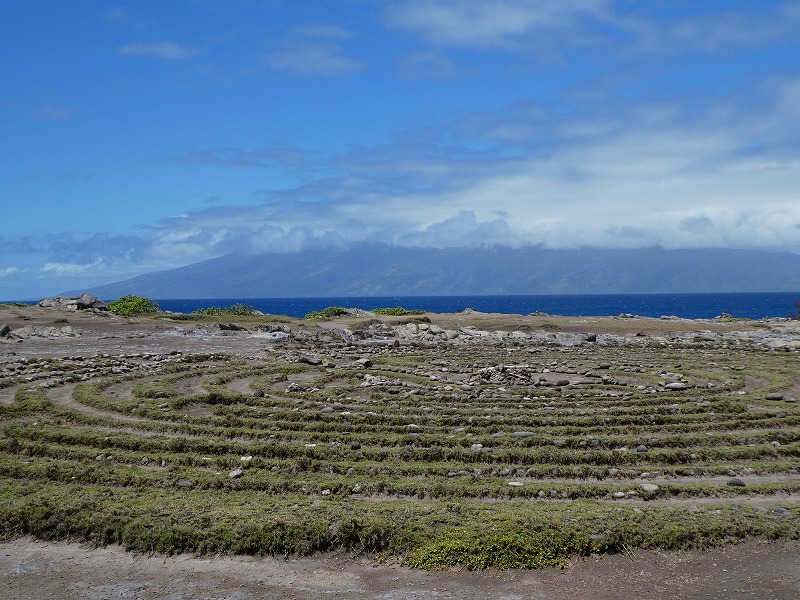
689 306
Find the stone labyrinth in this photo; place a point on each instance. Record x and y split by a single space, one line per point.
477 453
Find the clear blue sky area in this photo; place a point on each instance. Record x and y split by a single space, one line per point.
147 135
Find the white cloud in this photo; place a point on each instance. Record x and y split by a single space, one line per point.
59 269
487 24
168 50
4 272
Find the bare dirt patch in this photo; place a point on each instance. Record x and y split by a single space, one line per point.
43 570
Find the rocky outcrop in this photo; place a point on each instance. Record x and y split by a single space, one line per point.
38 331
82 302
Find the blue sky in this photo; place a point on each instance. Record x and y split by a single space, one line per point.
147 135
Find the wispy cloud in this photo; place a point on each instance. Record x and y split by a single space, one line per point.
166 50
323 31
53 111
488 24
241 158
4 272
59 269
311 58
313 49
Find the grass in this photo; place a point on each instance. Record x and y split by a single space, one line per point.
411 458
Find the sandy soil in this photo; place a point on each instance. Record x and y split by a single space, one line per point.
42 570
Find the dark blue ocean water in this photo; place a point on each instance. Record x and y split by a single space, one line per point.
690 306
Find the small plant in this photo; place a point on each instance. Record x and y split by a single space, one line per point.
397 311
238 310
327 313
133 305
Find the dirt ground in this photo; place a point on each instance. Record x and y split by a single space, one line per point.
31 570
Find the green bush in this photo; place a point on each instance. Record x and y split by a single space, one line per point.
238 310
327 313
397 311
133 305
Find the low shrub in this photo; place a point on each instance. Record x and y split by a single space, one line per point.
327 313
397 311
237 310
133 305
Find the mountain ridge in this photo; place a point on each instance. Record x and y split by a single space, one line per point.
383 270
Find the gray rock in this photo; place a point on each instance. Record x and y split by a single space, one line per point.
676 386
184 483
523 434
779 511
309 360
774 396
735 482
5 330
641 448
235 473
650 487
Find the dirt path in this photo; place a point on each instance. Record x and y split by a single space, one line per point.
63 395
42 570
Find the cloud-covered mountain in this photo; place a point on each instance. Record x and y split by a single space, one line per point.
382 270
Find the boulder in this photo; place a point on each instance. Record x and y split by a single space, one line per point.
82 302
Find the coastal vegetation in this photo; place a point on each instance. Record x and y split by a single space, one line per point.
234 310
131 305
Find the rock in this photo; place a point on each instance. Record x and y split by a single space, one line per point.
676 386
641 448
82 302
650 487
5 330
231 327
355 446
184 483
515 483
774 396
364 362
618 495
309 360
613 472
735 482
235 473
523 434
779 511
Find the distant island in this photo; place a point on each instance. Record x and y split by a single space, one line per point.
383 270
